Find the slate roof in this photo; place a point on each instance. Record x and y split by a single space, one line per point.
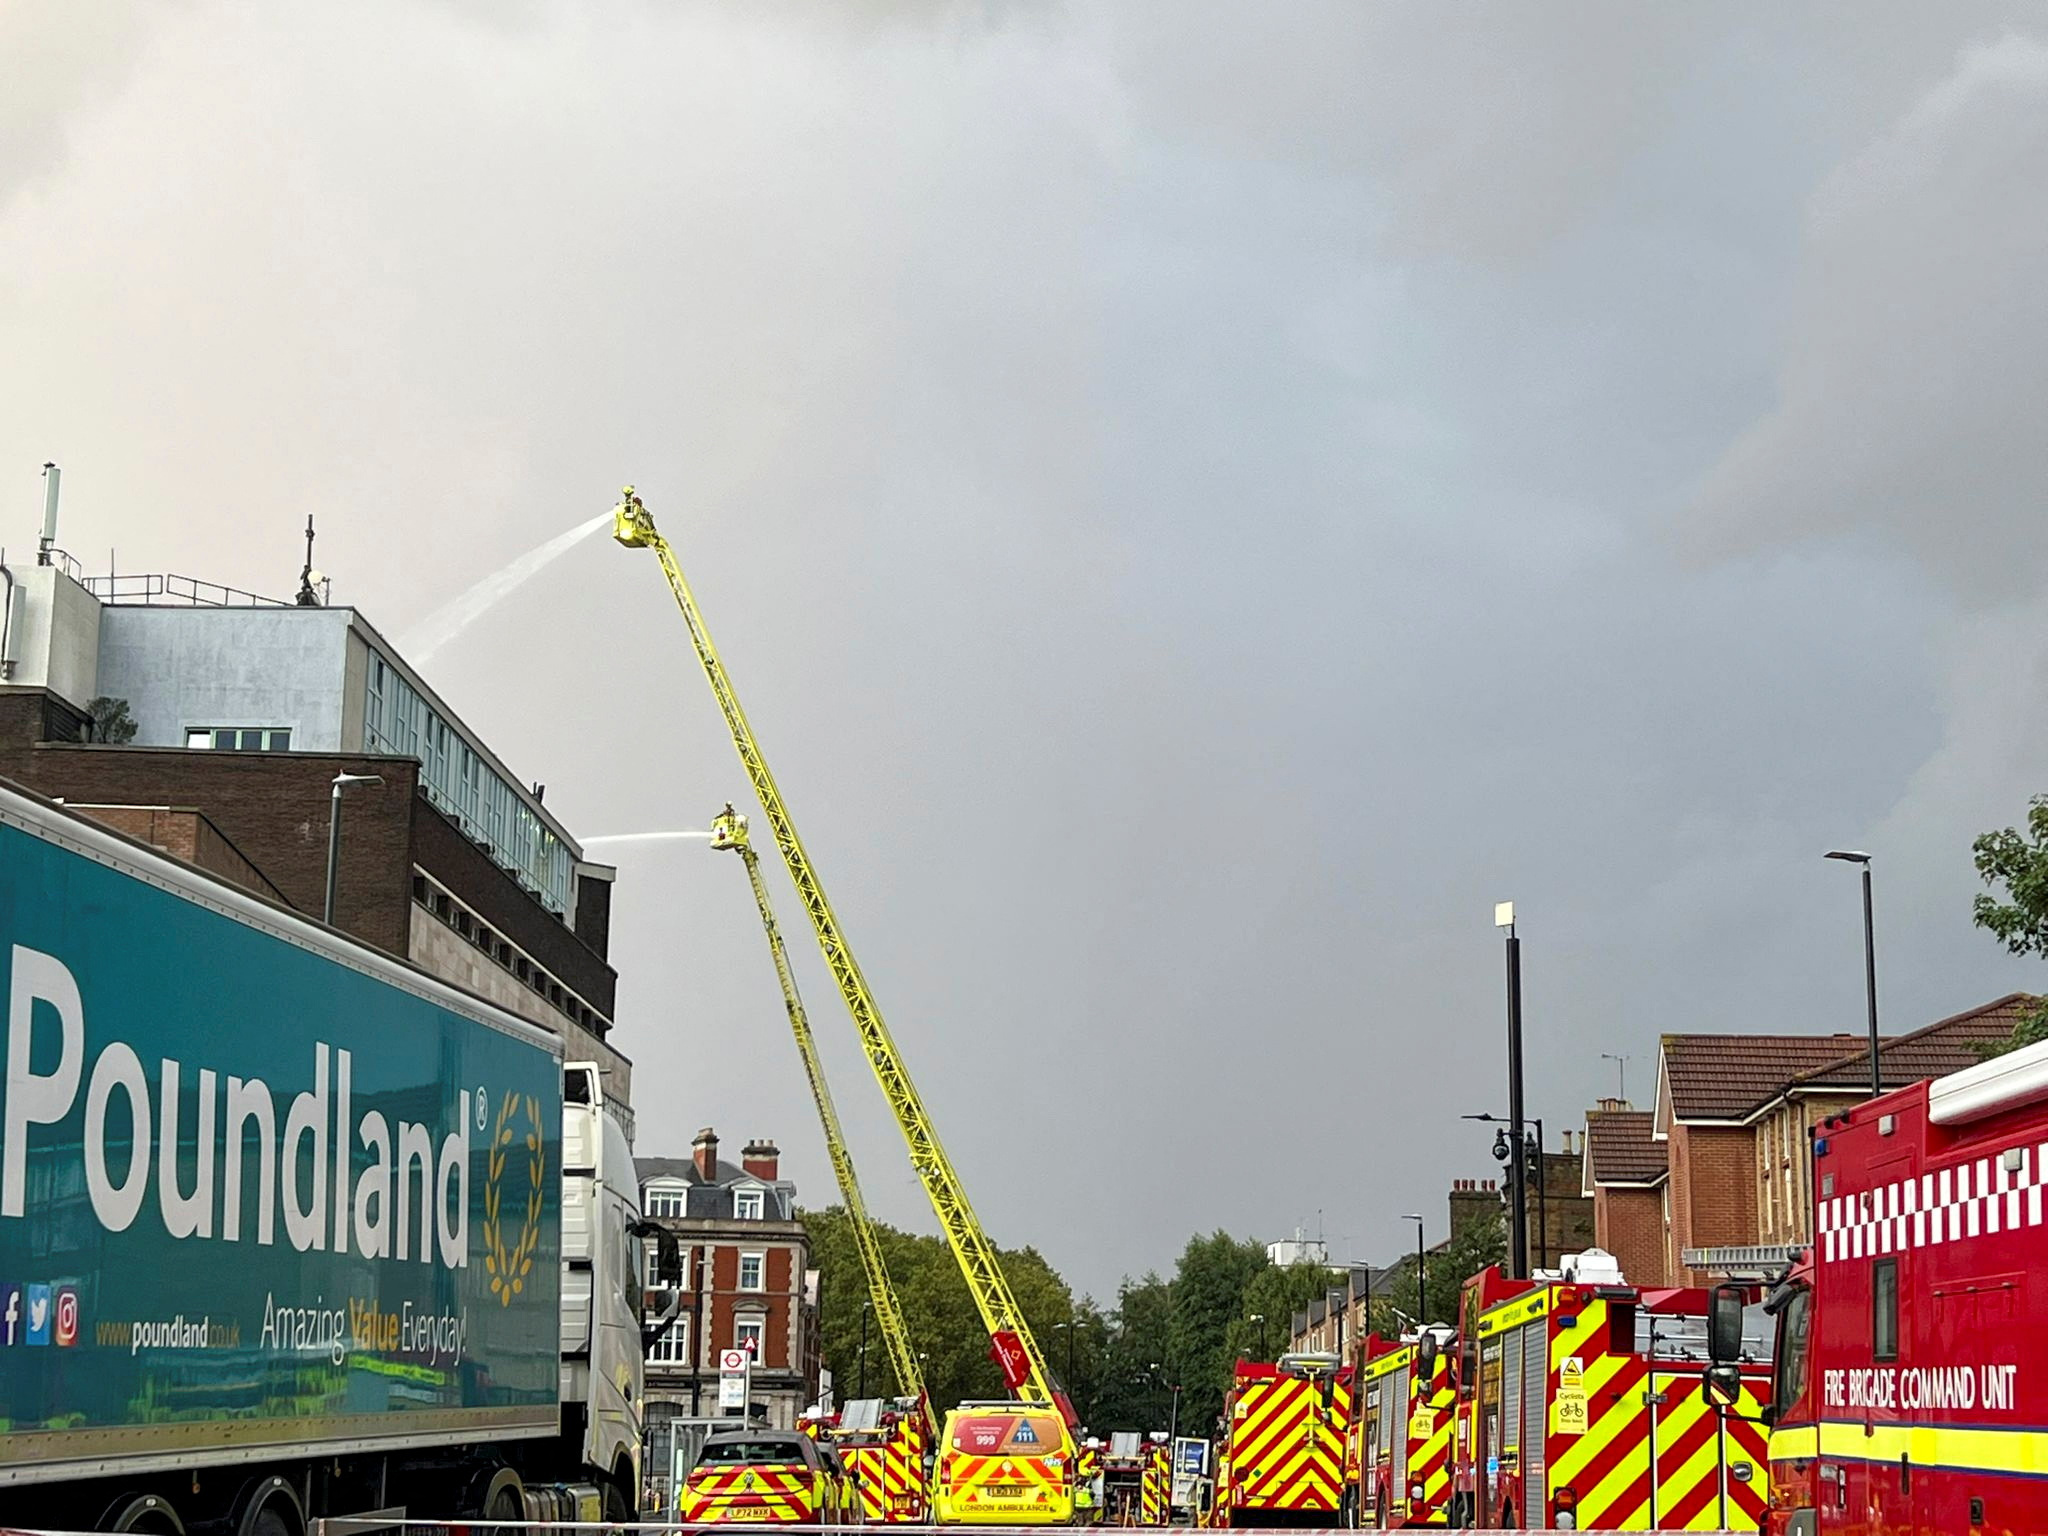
711 1199
1622 1147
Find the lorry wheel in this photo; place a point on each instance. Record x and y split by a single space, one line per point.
145 1512
270 1508
616 1509
501 1498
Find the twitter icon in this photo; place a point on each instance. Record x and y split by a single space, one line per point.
38 1329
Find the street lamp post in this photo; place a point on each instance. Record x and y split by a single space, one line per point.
1532 1155
701 1260
1420 1317
1260 1319
1068 1329
1518 1193
341 781
1869 962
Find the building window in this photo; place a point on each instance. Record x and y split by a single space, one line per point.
1884 1310
667 1202
749 1333
673 1347
751 1268
746 1205
239 738
398 720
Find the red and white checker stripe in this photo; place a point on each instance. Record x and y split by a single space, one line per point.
1978 1198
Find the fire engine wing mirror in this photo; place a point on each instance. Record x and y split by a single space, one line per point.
668 1254
1723 1384
1427 1350
1724 1324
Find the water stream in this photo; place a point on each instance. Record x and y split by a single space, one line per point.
424 639
643 837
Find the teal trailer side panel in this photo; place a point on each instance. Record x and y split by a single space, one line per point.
257 1189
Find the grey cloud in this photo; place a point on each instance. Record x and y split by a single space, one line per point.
61 59
1916 358
1186 504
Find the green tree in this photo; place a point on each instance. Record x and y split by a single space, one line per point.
1208 1297
1481 1243
1133 1392
944 1326
1275 1294
110 721
2017 860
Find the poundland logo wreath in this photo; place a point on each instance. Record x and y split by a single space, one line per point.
517 1128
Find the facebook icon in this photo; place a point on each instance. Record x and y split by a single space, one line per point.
10 1313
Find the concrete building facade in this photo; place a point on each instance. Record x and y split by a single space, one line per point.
245 709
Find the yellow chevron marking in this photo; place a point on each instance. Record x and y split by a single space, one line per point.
1566 1342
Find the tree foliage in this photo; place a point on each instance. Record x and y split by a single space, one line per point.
110 721
1444 1274
939 1313
1186 1330
2017 860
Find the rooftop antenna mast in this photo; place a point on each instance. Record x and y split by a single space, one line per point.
308 598
1621 1074
52 475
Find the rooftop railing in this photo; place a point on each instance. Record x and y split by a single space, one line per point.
174 591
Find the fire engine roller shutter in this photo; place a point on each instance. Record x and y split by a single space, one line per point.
1535 1416
1511 1393
1397 1432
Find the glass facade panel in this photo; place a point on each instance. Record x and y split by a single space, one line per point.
398 720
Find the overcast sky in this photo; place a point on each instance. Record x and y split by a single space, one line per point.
1198 508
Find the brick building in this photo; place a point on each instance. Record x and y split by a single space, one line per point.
245 709
1732 1121
1626 1176
748 1282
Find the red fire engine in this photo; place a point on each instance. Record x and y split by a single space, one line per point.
1287 1427
1903 1400
1590 1410
1408 1394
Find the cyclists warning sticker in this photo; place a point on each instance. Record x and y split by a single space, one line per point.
1568 1411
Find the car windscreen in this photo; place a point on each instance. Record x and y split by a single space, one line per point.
764 1451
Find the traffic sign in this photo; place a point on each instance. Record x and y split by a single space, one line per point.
734 1368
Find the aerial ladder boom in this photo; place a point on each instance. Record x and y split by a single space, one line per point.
1011 1345
729 833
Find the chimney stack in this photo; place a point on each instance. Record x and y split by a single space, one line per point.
704 1151
761 1159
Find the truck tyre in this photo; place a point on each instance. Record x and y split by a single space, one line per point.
501 1497
270 1508
618 1508
146 1512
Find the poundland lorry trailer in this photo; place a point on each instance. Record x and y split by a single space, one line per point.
288 1228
